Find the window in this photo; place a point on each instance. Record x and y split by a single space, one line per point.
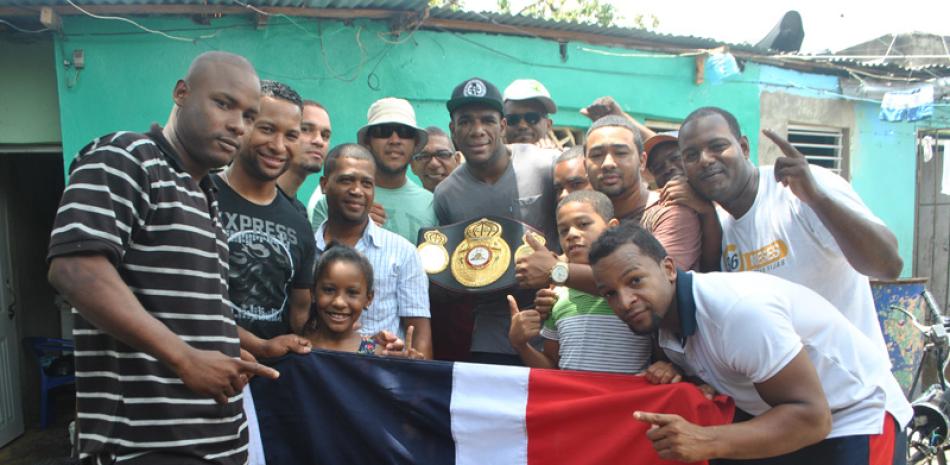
822 146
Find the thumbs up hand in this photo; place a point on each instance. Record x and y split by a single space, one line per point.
534 271
793 170
525 325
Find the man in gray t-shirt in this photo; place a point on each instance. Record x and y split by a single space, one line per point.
515 181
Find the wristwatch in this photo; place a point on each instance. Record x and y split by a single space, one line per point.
559 273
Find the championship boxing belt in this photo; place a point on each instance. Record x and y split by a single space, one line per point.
475 256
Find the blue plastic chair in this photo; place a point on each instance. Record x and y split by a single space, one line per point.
46 350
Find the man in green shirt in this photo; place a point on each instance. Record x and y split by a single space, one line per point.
392 136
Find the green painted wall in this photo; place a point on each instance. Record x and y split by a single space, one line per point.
29 111
129 75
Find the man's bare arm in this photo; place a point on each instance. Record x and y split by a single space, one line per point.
92 285
799 417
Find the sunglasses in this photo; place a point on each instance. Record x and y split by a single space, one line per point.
385 131
425 157
532 117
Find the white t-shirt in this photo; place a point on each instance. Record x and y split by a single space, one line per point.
749 326
782 236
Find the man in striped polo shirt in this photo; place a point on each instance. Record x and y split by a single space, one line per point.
137 248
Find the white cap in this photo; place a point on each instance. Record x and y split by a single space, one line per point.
530 89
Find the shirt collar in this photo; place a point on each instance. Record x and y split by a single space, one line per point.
372 235
174 159
685 305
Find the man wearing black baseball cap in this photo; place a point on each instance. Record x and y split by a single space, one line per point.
511 181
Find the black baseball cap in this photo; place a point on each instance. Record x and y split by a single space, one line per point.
475 90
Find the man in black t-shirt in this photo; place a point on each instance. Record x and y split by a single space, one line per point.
271 246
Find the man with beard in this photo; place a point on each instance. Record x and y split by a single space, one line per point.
515 181
309 152
527 106
817 390
145 272
392 136
799 222
400 286
614 158
437 160
271 246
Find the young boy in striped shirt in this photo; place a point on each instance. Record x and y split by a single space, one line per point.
582 332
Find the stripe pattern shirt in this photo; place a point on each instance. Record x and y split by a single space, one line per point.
130 200
400 285
591 337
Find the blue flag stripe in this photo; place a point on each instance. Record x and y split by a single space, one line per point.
334 408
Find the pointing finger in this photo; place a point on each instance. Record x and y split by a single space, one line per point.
258 369
787 148
659 419
513 306
411 329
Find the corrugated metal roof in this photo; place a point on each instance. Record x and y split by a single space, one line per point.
517 21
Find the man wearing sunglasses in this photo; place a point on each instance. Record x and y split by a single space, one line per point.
437 160
527 106
392 136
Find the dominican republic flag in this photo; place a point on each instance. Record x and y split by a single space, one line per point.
332 408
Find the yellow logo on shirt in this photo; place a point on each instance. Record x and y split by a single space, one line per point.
763 259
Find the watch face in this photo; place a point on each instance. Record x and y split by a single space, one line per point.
559 273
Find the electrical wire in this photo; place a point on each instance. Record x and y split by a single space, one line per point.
25 31
153 31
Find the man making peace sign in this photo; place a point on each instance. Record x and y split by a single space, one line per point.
796 221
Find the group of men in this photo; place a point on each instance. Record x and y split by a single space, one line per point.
187 256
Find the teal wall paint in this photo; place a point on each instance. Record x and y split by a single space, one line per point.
775 79
129 75
28 92
884 173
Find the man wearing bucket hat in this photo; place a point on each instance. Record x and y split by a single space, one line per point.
527 104
514 181
392 136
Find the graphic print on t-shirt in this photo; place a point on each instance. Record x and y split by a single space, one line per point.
261 266
763 259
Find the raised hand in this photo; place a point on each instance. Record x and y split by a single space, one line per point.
534 271
793 170
524 324
213 374
674 438
602 107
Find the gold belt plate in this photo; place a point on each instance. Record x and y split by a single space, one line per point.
483 256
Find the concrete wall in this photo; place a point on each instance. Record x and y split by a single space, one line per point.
129 75
30 111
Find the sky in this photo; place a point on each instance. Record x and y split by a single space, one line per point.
829 24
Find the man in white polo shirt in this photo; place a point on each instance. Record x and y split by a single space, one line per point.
816 387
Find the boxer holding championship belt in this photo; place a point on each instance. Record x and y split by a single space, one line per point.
475 256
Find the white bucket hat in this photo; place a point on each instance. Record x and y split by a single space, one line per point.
529 89
391 110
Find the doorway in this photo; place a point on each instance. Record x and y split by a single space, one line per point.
31 184
932 229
